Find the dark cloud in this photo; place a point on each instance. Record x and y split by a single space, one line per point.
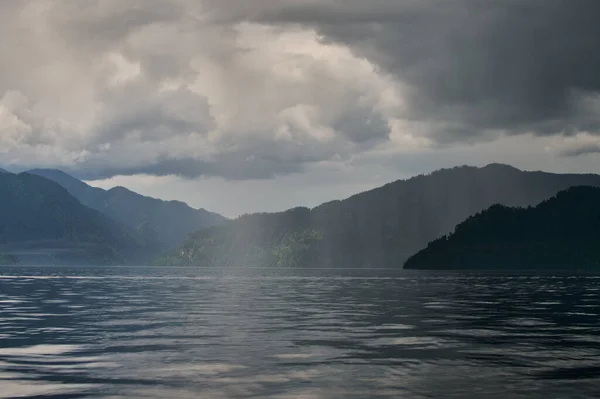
232 167
518 65
582 150
362 126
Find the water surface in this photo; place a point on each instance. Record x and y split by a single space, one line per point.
166 333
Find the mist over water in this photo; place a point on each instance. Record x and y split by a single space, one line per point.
160 333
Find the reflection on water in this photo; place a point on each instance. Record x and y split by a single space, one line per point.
156 333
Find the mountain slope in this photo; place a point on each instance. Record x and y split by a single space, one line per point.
377 228
40 217
165 224
560 233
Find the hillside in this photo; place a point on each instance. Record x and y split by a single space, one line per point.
378 228
39 219
163 224
560 233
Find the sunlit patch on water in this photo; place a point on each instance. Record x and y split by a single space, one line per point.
30 389
39 350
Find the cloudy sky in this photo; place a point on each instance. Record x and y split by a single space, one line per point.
257 105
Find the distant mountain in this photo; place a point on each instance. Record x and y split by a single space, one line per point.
560 233
40 219
163 223
377 228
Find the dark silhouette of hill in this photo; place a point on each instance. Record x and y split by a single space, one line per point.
39 217
560 233
163 224
377 228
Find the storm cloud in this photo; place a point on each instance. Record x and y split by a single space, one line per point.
517 66
258 89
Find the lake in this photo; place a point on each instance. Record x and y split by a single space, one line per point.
307 334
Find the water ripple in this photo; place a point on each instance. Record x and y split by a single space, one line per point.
156 333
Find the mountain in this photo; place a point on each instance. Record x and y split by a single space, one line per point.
40 219
165 224
560 233
378 228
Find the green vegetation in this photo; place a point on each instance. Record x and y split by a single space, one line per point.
560 233
298 247
378 228
281 239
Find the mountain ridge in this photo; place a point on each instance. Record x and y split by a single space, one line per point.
381 227
162 223
562 232
40 216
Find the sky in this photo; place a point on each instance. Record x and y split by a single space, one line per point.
262 105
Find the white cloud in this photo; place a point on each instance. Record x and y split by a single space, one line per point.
127 86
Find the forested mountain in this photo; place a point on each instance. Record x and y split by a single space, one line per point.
560 233
164 224
39 217
377 228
